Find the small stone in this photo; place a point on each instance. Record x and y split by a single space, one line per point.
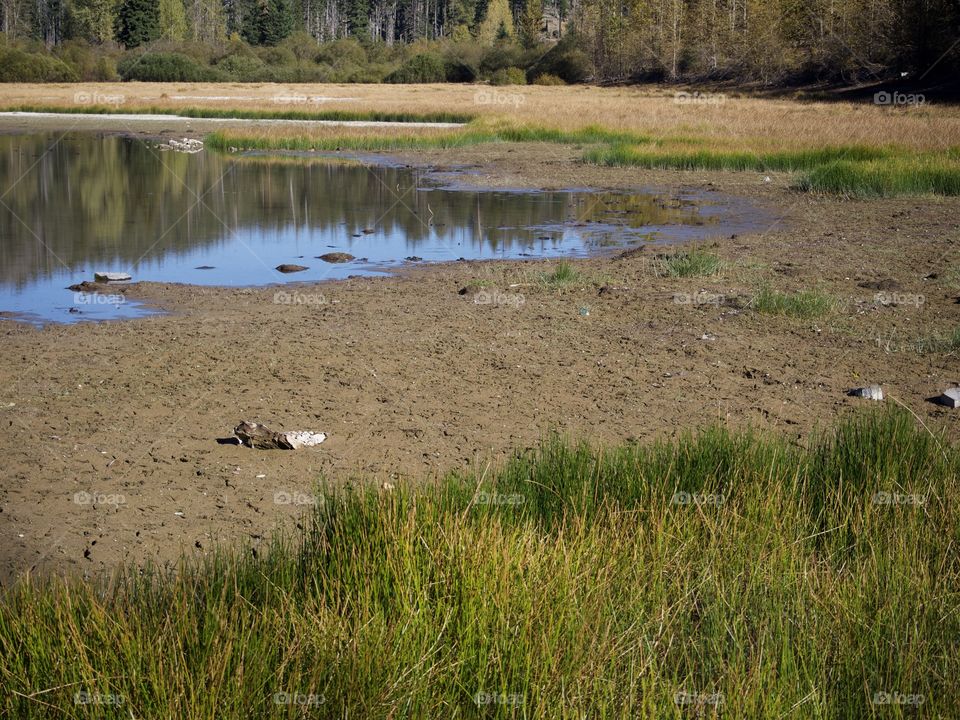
950 398
288 268
111 276
336 257
873 392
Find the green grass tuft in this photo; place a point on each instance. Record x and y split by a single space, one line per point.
947 343
562 275
696 263
806 304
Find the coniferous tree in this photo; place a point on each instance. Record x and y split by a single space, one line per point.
276 21
138 22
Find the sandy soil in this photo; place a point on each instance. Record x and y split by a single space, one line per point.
410 378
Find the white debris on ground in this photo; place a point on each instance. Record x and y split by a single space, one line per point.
258 436
950 398
304 438
874 392
187 145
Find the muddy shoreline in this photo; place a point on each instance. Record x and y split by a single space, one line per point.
409 378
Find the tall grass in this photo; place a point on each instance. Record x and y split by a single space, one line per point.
738 160
255 114
722 575
897 176
475 133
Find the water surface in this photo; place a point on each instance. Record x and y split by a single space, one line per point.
80 203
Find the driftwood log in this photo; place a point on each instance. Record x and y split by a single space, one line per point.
258 436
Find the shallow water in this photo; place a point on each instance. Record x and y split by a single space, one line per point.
75 204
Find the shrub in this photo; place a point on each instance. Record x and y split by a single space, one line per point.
457 71
548 79
340 53
509 76
276 56
503 55
164 67
565 61
20 66
242 67
422 68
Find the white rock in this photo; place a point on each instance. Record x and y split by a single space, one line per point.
874 392
950 398
304 438
111 276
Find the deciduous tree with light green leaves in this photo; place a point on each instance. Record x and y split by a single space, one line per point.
497 22
173 19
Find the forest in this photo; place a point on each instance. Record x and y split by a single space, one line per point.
765 42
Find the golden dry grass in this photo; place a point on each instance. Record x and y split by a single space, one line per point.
761 123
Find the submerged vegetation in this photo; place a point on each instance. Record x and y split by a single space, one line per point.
725 574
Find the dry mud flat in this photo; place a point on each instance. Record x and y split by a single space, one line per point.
109 430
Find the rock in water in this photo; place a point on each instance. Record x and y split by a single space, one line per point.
336 257
874 392
287 268
111 276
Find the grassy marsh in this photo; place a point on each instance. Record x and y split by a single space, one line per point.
721 575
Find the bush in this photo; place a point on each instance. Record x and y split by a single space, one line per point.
165 67
509 76
547 79
20 66
422 68
242 67
565 61
276 56
457 71
501 56
340 53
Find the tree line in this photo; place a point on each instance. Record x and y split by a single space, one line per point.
771 41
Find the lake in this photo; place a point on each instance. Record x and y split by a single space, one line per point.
76 204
